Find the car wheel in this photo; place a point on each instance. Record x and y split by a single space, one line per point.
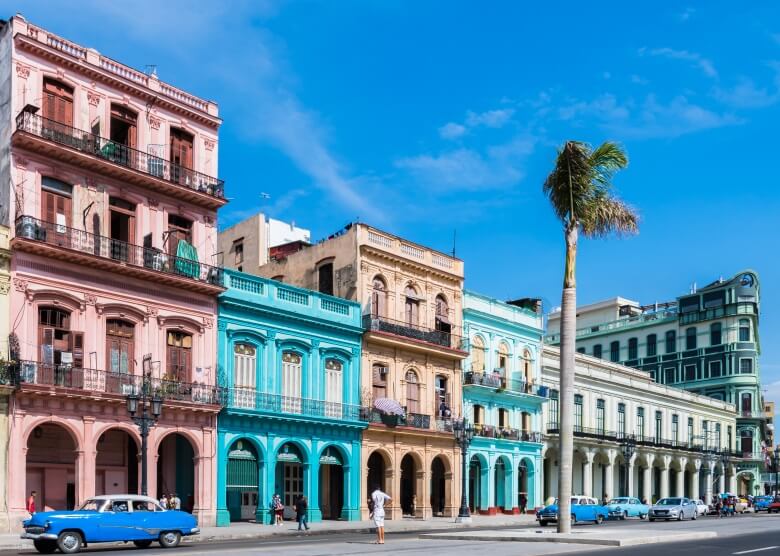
573 519
69 542
652 519
543 523
45 546
680 516
694 516
170 539
599 519
142 544
642 516
624 516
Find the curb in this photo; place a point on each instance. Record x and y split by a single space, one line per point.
575 539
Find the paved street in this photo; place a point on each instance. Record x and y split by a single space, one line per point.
735 536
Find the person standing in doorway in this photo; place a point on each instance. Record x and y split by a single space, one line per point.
378 499
164 502
301 507
176 501
523 502
31 502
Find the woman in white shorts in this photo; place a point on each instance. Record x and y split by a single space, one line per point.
378 499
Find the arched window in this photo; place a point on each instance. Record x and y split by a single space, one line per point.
379 297
120 336
244 375
57 106
379 380
442 314
59 345
744 330
334 387
291 382
411 307
477 354
528 371
412 392
503 358
179 355
746 403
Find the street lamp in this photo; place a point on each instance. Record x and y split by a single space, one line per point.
724 461
149 403
463 432
629 448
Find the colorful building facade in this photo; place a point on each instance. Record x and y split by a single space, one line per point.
114 273
503 398
289 360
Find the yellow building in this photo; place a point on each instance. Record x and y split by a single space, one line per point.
412 353
5 386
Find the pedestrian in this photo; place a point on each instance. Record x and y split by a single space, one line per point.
31 502
164 502
176 501
278 509
523 500
378 499
605 500
301 506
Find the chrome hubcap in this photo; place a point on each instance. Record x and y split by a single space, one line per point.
170 538
70 542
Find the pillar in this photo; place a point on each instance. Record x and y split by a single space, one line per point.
609 476
587 473
223 515
630 476
666 461
722 480
680 487
648 480
695 481
733 481
708 480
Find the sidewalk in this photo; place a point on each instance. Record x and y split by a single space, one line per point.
254 531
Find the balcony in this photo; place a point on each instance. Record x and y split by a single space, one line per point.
115 160
601 434
501 383
412 420
249 399
72 245
69 380
506 433
427 336
746 414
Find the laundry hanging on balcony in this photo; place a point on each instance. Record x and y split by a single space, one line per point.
187 260
389 407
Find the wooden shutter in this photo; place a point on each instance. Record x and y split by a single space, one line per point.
77 348
49 206
58 102
46 338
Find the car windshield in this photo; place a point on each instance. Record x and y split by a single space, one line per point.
91 505
669 502
619 501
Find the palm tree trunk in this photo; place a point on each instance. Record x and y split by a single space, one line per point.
566 401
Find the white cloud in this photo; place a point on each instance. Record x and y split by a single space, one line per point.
696 59
606 75
639 80
604 107
686 14
452 130
491 118
746 95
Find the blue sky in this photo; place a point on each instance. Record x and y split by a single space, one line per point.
427 118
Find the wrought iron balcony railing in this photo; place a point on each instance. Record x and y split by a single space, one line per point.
491 431
414 420
500 382
125 254
448 339
92 381
253 400
100 147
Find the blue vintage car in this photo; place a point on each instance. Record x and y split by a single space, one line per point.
583 508
110 518
623 507
761 503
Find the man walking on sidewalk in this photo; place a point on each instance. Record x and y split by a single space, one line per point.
301 505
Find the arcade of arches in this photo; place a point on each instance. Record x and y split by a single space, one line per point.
502 483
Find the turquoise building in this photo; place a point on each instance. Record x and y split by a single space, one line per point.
503 397
289 360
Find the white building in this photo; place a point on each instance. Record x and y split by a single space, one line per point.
679 439
248 245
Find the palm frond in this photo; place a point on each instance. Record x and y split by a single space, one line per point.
607 215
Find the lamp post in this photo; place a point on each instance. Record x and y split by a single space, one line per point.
149 408
463 432
629 447
724 462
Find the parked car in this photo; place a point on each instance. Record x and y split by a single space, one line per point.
761 503
109 518
774 506
623 507
702 508
742 506
583 508
673 508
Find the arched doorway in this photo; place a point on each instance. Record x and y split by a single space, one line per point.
176 470
290 477
242 484
477 471
438 486
408 485
550 475
332 482
525 484
377 469
502 476
51 467
116 463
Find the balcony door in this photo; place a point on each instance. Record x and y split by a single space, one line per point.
379 381
291 382
181 156
56 210
122 222
120 354
244 375
179 229
57 105
179 356
412 392
411 307
123 135
334 387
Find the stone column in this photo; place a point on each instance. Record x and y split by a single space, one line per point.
648 480
665 476
695 480
609 475
587 473
680 487
722 481
733 480
630 476
708 478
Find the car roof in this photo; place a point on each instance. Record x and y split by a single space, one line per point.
130 497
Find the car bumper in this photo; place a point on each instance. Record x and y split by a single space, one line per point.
38 536
195 531
553 517
615 513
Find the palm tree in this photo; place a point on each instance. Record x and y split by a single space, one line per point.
580 192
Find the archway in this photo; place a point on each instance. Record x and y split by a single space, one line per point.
116 463
502 477
290 478
51 467
408 485
526 485
332 483
176 470
476 472
674 478
550 475
242 481
377 470
438 486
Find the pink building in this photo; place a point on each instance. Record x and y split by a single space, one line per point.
113 209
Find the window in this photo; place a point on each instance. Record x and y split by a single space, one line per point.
120 346
640 421
291 382
675 428
123 134
122 229
57 105
745 366
179 230
379 297
621 420
746 442
715 334
442 322
671 341
577 412
379 380
715 369
729 437
717 436
658 426
334 387
477 354
238 251
58 344
411 306
690 430
528 371
690 338
600 421
244 375
651 345
181 156
705 425
56 206
597 351
744 330
580 350
690 372
412 392
503 418
614 352
179 355
669 373
479 414
746 402
325 278
525 421
553 407
633 348
503 358
442 397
